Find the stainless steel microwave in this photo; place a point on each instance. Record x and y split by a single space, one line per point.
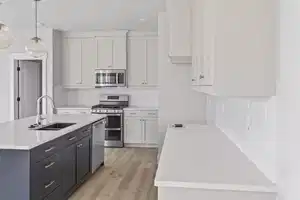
110 78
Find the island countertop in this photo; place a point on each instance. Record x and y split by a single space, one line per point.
15 135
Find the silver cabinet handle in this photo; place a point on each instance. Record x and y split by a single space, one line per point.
201 77
50 165
73 138
50 149
80 145
49 185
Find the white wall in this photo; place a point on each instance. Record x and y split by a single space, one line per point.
288 133
251 124
90 97
178 103
21 40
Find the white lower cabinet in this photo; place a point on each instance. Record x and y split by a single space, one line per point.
150 131
141 129
133 131
73 111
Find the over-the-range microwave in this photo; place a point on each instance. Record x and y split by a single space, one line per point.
110 78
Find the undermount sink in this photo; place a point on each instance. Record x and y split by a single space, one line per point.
55 127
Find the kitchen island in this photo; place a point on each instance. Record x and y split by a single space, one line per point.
52 164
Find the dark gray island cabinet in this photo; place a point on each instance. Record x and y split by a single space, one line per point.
50 171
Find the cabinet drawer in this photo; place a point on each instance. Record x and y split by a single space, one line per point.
71 138
132 113
41 152
55 195
45 176
149 114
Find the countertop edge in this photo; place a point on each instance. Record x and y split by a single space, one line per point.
213 186
28 148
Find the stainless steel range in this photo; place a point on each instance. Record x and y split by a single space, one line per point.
112 106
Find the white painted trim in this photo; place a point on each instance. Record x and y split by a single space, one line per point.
121 33
142 34
24 56
215 186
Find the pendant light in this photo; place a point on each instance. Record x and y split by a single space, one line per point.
6 38
36 47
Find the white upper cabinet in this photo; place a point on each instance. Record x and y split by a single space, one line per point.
89 61
79 62
239 47
179 18
112 53
142 62
105 53
72 62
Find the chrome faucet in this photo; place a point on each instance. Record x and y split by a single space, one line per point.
38 108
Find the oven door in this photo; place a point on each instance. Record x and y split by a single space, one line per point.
114 127
110 78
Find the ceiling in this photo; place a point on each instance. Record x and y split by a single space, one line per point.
84 15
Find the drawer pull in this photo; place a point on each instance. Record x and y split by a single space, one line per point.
49 185
151 113
50 165
50 149
73 138
80 145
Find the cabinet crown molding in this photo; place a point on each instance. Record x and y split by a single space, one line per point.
89 34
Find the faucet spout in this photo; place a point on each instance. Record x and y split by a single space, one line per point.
38 108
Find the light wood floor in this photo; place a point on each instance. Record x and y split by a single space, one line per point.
128 175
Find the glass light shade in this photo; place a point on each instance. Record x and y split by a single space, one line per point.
6 38
36 48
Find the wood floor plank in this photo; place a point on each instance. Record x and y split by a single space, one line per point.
128 175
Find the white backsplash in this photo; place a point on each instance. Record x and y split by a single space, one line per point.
89 97
251 124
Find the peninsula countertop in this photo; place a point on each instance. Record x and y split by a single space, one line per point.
202 157
15 135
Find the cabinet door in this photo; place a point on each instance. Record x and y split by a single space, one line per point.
137 62
72 62
105 53
83 158
151 131
120 53
152 62
133 131
69 169
209 28
197 42
89 61
179 17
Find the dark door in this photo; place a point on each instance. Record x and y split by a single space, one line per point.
69 169
83 158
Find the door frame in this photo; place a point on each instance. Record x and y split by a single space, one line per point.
20 57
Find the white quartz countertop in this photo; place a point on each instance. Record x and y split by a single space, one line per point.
140 108
202 157
16 134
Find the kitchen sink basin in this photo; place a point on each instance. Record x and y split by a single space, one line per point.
55 127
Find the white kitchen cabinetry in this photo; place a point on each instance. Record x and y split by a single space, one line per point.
179 17
112 53
79 62
239 54
143 62
141 128
133 131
